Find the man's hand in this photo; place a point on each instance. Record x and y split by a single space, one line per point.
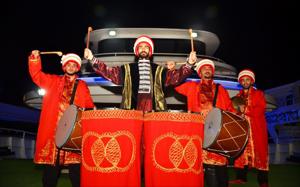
88 54
192 58
35 53
242 108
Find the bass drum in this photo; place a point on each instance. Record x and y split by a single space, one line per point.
68 133
225 133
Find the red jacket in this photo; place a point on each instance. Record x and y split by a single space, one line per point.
197 102
257 146
52 108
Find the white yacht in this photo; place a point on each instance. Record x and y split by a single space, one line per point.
114 46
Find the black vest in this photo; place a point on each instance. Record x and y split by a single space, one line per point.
131 79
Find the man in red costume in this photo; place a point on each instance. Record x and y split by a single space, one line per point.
55 102
200 96
144 81
255 154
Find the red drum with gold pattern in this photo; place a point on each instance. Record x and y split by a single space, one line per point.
173 149
111 148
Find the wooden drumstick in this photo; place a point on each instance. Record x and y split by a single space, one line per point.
88 37
59 53
192 42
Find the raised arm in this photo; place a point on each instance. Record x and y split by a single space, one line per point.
113 74
40 78
177 76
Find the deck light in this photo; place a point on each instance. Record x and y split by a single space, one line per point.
194 34
112 33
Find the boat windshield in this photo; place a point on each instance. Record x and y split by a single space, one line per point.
125 45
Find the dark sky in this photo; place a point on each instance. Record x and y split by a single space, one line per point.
257 35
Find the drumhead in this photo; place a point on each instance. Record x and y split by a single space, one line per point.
212 126
65 126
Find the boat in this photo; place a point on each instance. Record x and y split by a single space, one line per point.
114 46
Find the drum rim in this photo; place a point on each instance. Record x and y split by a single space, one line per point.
109 108
69 131
219 130
176 111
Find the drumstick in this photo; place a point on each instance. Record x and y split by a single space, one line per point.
192 42
59 53
88 37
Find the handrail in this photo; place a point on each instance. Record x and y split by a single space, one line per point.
19 131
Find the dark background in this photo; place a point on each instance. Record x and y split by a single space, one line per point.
259 35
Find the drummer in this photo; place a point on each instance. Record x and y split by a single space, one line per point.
143 81
55 102
255 154
202 97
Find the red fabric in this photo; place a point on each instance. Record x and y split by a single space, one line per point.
173 149
199 99
255 113
144 102
45 151
111 148
192 91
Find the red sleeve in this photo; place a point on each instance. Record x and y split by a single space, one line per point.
183 88
258 105
112 74
83 97
224 100
177 76
40 78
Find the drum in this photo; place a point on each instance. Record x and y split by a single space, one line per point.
173 149
68 133
111 147
225 133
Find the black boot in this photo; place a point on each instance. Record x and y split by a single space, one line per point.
215 176
264 185
262 178
210 175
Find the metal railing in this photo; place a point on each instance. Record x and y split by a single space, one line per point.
21 143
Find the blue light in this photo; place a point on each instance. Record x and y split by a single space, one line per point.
231 85
97 81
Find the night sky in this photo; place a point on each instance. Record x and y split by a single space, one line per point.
257 35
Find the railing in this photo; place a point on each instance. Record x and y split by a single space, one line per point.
287 133
17 143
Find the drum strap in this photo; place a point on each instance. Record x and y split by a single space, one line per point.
216 95
73 92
